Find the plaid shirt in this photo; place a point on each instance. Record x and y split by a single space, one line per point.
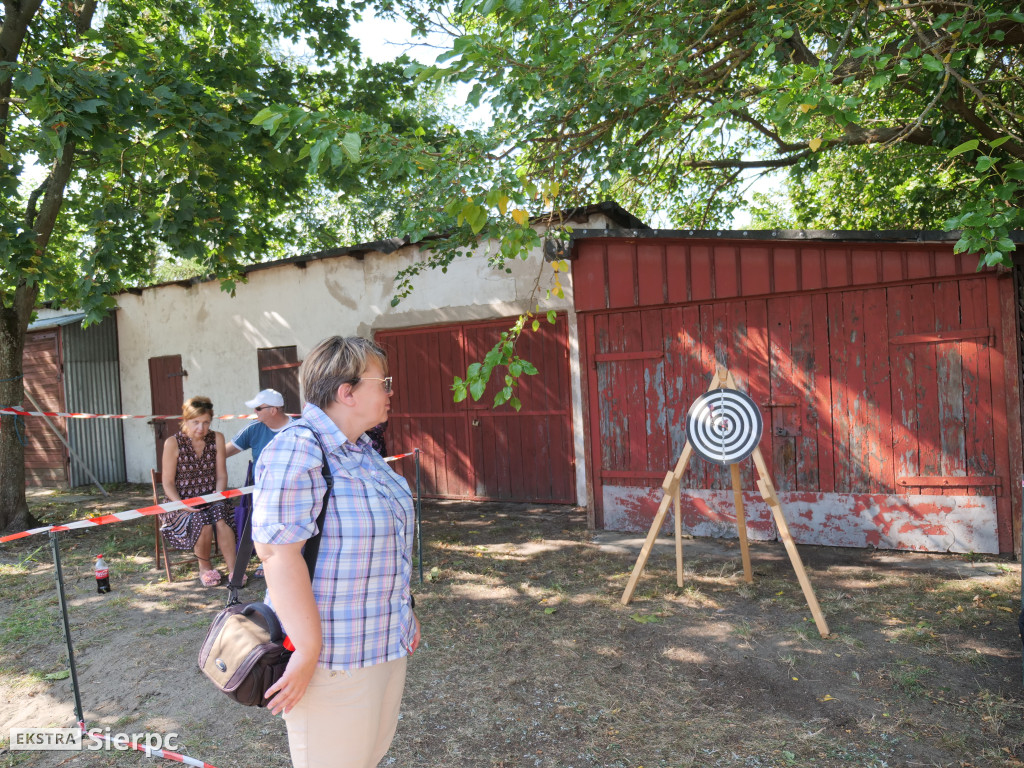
361 582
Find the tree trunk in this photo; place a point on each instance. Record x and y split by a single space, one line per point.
14 514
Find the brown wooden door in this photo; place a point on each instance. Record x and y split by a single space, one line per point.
167 394
45 456
279 369
469 449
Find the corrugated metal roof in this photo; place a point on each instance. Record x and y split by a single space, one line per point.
829 235
56 321
618 216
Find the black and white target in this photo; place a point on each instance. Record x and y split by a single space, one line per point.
724 426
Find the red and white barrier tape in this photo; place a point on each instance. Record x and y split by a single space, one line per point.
149 751
122 416
134 514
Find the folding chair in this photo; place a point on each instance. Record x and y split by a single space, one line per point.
156 478
160 546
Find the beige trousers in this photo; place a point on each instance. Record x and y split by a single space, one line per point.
346 719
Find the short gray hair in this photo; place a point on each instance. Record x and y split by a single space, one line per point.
336 361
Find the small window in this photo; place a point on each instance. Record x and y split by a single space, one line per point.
279 369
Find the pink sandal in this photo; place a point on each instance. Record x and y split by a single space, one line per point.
209 578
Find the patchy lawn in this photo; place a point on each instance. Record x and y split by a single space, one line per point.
530 659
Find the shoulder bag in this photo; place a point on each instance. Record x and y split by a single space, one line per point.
246 651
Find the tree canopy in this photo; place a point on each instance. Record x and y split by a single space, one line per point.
132 132
669 107
126 140
910 187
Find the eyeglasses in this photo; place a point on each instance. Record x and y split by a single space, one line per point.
385 381
202 404
263 408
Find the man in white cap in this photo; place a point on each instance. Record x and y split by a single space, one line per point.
270 419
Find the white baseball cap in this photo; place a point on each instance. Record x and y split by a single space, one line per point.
266 397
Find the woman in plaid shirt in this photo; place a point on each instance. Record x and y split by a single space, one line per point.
353 627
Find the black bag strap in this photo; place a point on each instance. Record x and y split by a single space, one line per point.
309 551
272 622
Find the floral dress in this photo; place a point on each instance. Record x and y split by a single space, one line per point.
195 476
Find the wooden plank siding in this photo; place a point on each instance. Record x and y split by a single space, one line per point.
885 373
470 450
45 456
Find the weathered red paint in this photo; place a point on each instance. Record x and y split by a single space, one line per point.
874 365
470 450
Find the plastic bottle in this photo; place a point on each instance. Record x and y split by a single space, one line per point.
102 575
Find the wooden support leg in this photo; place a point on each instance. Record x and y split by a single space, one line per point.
679 536
770 497
659 518
671 488
741 522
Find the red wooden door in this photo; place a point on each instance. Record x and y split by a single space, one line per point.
470 449
166 389
649 365
45 456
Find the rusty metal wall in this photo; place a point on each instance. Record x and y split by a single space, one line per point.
889 396
92 384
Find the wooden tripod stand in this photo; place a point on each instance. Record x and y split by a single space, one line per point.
670 486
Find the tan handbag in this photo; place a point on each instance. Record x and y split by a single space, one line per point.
245 650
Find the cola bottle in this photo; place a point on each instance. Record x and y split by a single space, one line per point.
102 575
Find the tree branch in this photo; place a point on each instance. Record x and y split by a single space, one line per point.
17 17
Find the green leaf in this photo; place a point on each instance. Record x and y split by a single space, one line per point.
931 63
878 81
62 675
550 609
89 105
30 80
351 145
967 146
476 388
985 162
999 142
459 390
263 115
315 152
551 316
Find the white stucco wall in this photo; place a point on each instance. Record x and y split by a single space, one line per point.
217 336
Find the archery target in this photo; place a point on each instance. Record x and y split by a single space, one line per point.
724 426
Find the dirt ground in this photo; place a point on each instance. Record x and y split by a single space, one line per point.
530 660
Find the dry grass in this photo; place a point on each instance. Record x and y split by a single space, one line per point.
530 660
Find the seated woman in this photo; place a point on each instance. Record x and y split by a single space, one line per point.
194 465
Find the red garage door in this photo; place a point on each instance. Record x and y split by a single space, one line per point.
471 450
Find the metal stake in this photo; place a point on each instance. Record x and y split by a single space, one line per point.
419 514
55 547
